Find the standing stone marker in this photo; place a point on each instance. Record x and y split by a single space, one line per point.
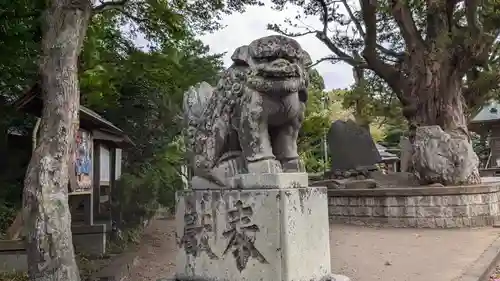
351 149
406 154
250 213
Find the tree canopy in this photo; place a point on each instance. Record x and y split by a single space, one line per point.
138 89
397 39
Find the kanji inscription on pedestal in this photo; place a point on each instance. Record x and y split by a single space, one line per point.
196 233
241 234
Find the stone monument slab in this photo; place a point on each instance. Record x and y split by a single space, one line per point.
253 234
351 147
406 154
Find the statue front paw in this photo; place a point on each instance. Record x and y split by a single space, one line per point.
266 166
293 166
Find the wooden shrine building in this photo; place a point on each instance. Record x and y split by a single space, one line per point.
486 123
97 161
389 159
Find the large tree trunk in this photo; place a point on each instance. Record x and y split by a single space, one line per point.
441 154
46 214
361 120
427 78
360 105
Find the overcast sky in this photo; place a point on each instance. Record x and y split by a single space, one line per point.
241 29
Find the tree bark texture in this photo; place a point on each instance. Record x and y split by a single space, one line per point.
433 95
360 104
426 75
46 215
434 98
428 81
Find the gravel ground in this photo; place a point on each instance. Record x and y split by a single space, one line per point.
156 257
358 252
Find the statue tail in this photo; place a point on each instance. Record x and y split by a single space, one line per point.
194 103
195 100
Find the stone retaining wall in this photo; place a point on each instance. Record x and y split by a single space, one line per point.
87 239
422 207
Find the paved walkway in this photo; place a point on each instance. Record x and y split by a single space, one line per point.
363 254
406 254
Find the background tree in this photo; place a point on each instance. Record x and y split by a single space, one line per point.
147 104
46 213
481 83
20 40
425 63
372 102
315 125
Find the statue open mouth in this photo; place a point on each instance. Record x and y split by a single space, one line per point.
277 76
278 69
276 85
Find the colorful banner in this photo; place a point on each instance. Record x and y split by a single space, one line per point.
83 161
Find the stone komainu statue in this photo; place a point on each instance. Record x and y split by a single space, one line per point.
250 122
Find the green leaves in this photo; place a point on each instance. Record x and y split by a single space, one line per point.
138 90
316 122
158 20
19 39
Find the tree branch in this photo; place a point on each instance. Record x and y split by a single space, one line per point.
324 16
388 72
473 52
323 37
359 27
276 28
406 24
470 14
480 88
439 20
493 57
132 17
341 54
475 45
335 59
109 5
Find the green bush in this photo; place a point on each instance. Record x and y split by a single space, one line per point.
8 212
138 195
393 136
10 203
481 147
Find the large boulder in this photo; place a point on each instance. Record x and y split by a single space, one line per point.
444 157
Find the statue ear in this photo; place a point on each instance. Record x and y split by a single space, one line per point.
242 56
303 95
305 58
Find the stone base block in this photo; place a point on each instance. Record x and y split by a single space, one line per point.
13 261
253 234
332 277
90 239
13 256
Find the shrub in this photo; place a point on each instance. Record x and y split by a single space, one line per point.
138 195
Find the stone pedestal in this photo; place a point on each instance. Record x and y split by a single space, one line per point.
277 230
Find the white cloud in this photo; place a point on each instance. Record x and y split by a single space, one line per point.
241 29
